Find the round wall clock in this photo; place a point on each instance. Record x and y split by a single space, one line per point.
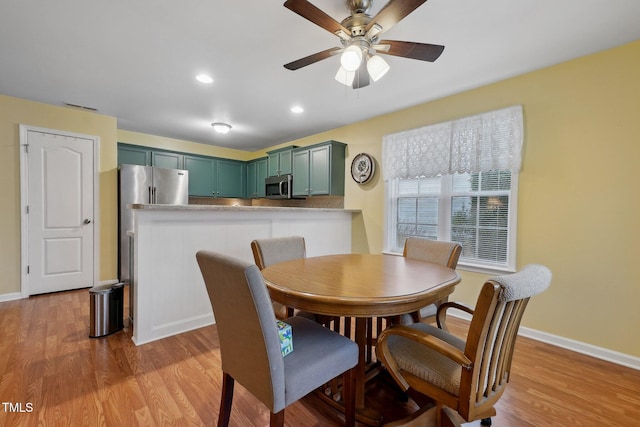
362 168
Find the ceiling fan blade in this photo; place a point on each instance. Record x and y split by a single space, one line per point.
315 15
393 12
308 60
361 79
413 50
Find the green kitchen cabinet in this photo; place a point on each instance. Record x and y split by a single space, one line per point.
202 175
144 156
133 155
280 161
256 173
319 169
231 178
213 177
167 159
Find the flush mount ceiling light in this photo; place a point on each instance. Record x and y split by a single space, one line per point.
359 36
204 78
221 127
297 109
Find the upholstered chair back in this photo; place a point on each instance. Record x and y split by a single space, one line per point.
277 249
435 251
246 323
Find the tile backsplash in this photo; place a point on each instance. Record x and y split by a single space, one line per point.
325 202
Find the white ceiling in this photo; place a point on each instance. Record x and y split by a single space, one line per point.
136 60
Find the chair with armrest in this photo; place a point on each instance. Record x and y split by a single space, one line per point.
250 347
437 252
274 250
466 376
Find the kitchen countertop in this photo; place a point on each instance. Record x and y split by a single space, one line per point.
233 208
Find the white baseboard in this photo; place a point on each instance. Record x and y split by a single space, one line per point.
573 345
10 297
18 295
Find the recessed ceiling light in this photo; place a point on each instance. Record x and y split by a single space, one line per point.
297 109
221 127
204 78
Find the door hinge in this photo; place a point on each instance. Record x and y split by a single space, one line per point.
27 209
27 269
26 148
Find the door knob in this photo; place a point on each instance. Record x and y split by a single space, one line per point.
87 221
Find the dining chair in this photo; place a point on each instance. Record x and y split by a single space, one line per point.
468 376
250 346
279 249
435 251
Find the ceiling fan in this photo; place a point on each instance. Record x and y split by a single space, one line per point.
359 36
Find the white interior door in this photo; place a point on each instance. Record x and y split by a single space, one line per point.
60 211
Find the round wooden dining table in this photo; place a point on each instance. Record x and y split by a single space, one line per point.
362 286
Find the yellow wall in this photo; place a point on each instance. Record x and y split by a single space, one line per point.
577 204
146 140
13 113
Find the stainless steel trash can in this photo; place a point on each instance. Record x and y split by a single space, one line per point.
106 309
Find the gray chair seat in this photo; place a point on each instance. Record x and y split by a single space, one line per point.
250 347
304 370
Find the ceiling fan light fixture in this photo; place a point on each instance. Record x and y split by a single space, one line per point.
377 67
345 77
351 58
221 127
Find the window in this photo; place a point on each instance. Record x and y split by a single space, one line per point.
457 181
477 210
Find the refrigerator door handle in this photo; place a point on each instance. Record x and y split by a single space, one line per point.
155 195
150 198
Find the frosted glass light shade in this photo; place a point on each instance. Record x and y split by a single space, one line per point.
221 127
377 67
345 77
351 58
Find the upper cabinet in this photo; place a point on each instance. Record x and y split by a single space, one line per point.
144 156
132 155
202 175
231 178
279 161
256 173
167 160
319 169
213 177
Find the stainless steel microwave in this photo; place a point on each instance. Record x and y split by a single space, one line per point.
279 187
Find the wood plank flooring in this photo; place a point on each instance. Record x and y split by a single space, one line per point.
53 374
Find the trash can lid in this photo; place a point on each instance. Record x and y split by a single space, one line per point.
105 289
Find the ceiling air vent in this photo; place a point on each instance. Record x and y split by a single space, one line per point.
81 107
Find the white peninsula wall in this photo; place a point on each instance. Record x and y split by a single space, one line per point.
168 294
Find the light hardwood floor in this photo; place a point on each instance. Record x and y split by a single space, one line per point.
50 365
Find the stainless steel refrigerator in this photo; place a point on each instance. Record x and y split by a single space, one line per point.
145 185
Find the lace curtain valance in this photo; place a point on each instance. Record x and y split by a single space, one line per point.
480 143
